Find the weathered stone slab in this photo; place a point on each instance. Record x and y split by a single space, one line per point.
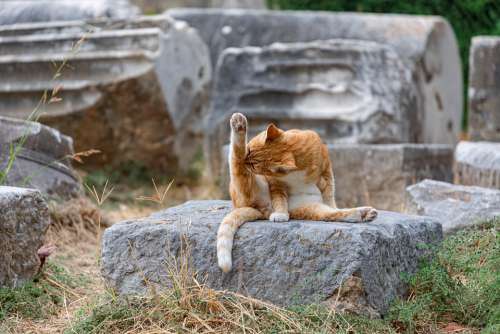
477 164
139 84
285 263
378 175
82 26
484 89
42 158
456 206
348 91
24 219
426 44
20 11
158 6
37 137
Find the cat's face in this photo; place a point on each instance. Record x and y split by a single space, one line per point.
268 154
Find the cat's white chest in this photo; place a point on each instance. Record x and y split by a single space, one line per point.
300 191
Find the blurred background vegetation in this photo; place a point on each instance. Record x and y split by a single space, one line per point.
468 18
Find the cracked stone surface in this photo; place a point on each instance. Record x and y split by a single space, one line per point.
285 263
24 219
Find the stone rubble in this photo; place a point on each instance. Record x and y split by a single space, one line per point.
456 206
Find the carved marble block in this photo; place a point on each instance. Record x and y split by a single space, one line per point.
348 91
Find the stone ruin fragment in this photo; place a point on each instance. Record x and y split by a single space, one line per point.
132 88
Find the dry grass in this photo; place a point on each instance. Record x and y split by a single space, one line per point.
188 306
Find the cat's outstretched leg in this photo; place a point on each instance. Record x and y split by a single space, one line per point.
227 229
320 211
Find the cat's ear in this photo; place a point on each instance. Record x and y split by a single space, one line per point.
272 132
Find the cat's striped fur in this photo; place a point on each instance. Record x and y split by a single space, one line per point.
279 175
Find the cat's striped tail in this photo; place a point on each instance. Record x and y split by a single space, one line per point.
227 230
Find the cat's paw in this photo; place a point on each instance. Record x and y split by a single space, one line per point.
367 213
279 217
238 122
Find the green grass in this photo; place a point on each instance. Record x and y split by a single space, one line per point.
40 298
461 284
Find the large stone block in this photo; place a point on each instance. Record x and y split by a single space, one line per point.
426 45
484 89
477 164
26 11
41 158
348 91
297 262
377 175
456 206
138 84
24 219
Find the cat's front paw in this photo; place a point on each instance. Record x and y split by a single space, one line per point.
238 122
367 213
279 217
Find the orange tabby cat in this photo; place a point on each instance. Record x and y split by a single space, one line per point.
279 175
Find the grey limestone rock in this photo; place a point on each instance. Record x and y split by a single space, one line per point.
24 219
477 164
286 263
484 89
456 206
42 160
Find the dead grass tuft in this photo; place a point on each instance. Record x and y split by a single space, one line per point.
78 215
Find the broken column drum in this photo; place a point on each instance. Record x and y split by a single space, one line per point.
132 92
348 91
425 45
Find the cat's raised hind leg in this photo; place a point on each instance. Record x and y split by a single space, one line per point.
238 144
320 211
